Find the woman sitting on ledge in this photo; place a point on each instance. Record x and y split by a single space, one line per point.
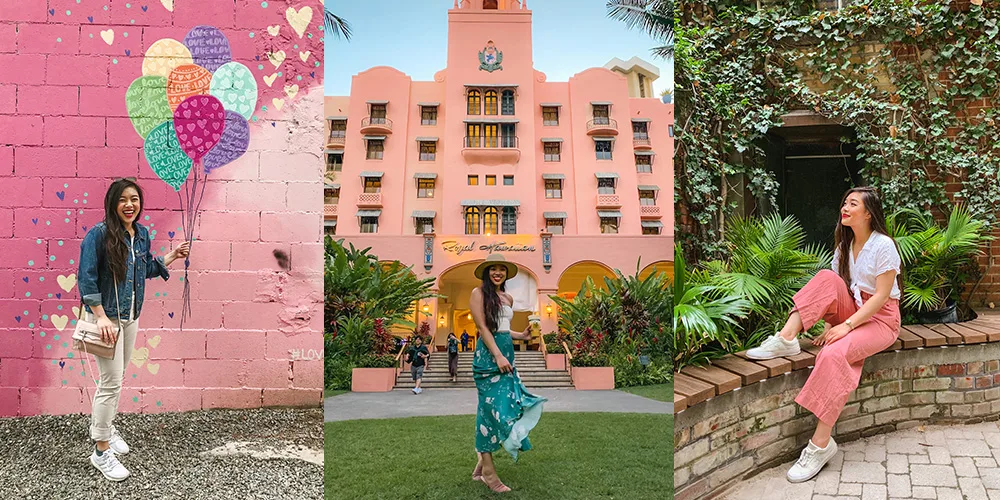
860 296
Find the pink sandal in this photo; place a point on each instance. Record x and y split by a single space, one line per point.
498 488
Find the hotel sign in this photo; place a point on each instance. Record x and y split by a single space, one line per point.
460 247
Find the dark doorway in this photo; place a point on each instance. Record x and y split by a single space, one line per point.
814 166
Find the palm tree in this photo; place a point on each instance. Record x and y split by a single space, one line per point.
336 25
655 17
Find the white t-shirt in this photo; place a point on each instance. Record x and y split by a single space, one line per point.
876 257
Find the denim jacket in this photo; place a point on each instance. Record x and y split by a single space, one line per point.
96 281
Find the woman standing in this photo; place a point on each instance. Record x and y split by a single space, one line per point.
115 261
453 356
507 411
860 296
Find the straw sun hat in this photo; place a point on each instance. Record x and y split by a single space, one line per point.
495 259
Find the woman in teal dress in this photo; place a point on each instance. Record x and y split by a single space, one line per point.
507 411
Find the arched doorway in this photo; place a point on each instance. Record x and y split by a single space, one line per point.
573 277
663 266
456 285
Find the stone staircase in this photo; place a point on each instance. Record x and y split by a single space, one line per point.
530 365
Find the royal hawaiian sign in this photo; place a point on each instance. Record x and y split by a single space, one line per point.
461 247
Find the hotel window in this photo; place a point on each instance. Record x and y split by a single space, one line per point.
602 114
425 188
550 115
553 188
508 180
603 149
508 136
330 228
369 224
670 130
334 162
378 114
555 226
509 220
609 225
425 225
552 151
647 197
373 184
428 115
472 220
331 196
473 180
475 98
490 136
338 129
491 220
428 150
650 230
605 186
491 180
507 102
489 4
640 130
490 103
644 164
375 149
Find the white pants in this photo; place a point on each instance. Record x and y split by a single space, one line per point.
109 386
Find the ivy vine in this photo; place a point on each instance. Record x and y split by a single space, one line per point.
915 80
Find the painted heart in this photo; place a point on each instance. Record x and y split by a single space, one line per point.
52 12
312 74
274 30
84 227
269 80
61 195
76 311
25 279
109 36
191 127
256 57
34 220
90 18
183 137
216 137
168 4
276 58
62 364
274 124
168 314
139 356
17 318
215 106
239 84
204 101
128 52
66 282
58 295
299 20
197 140
305 55
187 113
215 126
153 368
291 91
278 103
59 321
145 8
171 234
155 341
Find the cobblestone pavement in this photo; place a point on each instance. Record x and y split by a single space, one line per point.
942 462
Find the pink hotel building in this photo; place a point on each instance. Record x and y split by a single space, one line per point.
566 179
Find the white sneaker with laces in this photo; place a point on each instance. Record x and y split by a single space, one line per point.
811 461
109 465
118 445
775 346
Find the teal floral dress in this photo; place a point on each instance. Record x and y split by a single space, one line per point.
507 411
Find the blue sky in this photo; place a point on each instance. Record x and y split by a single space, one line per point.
411 35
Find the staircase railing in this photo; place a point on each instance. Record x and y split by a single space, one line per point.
400 360
569 359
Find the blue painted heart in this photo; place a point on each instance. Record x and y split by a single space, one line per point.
128 52
17 318
273 124
171 233
59 295
90 18
62 364
257 57
52 12
61 195
170 314
145 8
84 227
25 279
312 74
34 220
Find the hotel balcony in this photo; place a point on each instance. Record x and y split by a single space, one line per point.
330 210
602 126
336 142
376 125
370 200
650 212
608 201
641 142
491 150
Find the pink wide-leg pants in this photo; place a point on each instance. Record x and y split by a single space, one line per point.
838 365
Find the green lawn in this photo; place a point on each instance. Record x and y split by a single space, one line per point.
574 456
659 392
327 393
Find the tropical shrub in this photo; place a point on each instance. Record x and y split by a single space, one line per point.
553 344
591 349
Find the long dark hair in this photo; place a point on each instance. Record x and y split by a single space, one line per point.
115 249
491 301
844 235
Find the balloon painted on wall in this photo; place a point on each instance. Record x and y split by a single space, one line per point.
192 107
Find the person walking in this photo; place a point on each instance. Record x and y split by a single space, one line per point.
507 411
860 298
417 357
465 341
453 357
115 262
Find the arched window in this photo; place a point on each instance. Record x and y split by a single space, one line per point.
490 103
490 4
472 220
509 220
491 221
507 102
474 102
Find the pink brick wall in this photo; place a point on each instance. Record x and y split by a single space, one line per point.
65 134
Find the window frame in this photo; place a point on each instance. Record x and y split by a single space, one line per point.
507 105
473 220
489 178
474 98
553 193
427 155
422 223
606 186
555 112
369 224
473 180
428 115
375 149
491 102
491 220
561 225
423 191
644 164
605 222
334 166
508 220
372 183
508 178
549 156
650 195
609 153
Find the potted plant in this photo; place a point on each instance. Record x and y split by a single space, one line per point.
936 261
555 354
591 367
376 370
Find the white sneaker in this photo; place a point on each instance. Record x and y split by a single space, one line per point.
811 461
109 465
419 390
775 346
118 445
414 390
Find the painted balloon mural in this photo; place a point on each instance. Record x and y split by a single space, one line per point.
191 107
